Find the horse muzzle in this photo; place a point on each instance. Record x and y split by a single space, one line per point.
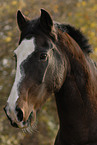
17 118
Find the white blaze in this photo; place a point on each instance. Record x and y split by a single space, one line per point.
22 52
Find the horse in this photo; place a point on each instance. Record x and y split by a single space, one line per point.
54 58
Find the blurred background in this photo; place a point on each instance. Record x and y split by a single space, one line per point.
81 14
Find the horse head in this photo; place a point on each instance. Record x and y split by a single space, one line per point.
40 72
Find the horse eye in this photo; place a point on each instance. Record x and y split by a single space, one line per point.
43 56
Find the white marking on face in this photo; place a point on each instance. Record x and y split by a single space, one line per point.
22 52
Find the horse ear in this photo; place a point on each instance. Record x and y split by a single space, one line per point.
21 20
46 21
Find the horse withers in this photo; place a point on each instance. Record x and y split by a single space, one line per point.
53 58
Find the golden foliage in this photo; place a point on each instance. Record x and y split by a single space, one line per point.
8 39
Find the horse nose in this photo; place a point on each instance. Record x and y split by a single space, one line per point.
19 114
17 117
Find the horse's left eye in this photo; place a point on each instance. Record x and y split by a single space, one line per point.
43 56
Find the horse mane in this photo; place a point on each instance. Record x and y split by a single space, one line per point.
77 35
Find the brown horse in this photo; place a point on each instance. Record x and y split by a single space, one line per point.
54 58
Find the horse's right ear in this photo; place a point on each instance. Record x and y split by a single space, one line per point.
46 21
21 20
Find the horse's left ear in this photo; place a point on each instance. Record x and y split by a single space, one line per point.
46 21
21 20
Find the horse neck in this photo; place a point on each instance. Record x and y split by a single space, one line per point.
72 99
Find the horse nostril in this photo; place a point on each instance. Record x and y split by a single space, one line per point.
19 114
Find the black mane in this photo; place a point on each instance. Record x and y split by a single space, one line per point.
77 35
